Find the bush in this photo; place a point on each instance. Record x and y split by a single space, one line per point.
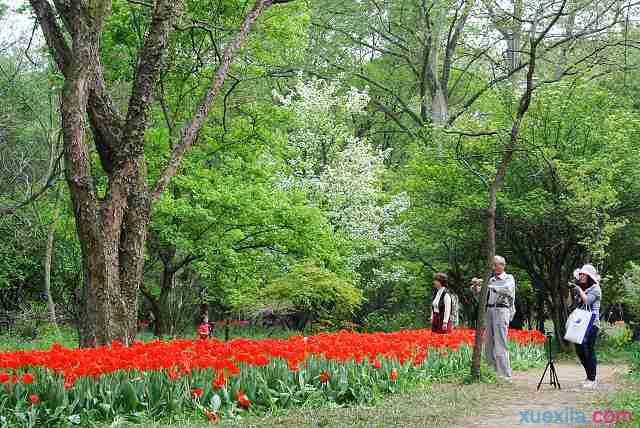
29 320
46 335
617 336
376 321
631 283
381 320
309 293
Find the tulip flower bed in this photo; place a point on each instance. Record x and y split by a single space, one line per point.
161 380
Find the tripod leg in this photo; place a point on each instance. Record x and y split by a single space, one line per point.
543 374
557 380
554 376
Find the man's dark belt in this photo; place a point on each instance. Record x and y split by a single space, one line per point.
499 305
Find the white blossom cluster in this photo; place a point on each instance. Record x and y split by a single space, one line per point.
340 171
389 274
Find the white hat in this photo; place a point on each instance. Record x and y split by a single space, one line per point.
588 270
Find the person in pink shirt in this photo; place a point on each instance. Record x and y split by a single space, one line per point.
204 329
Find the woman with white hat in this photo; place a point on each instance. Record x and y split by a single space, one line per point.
587 293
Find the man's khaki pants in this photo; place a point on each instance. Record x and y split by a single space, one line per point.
495 346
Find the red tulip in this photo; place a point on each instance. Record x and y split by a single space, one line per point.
212 416
173 374
393 375
34 399
220 381
196 393
243 400
69 383
27 378
179 357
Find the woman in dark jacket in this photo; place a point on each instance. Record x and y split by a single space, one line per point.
441 305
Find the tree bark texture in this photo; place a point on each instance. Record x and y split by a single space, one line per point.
112 228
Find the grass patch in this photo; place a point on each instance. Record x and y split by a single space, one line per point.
628 399
46 335
425 406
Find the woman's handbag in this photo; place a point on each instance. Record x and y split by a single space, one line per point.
579 323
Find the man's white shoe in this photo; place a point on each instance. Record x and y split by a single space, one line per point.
590 384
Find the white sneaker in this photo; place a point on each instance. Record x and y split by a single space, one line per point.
590 384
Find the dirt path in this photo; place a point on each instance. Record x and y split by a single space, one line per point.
519 404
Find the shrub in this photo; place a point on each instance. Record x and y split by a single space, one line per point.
631 282
617 336
29 320
309 293
381 320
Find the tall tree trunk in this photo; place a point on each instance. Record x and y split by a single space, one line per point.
166 302
113 256
113 228
433 91
439 107
540 312
514 41
161 304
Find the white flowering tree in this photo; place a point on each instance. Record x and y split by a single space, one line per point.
342 173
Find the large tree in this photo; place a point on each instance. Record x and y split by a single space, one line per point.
112 218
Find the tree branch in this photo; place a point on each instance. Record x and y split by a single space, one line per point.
190 131
51 181
52 33
147 72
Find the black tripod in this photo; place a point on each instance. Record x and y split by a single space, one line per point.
553 375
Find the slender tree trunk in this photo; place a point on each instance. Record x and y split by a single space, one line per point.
433 93
47 274
166 302
540 313
166 308
559 316
501 172
161 305
491 252
48 257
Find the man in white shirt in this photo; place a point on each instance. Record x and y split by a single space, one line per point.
499 312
